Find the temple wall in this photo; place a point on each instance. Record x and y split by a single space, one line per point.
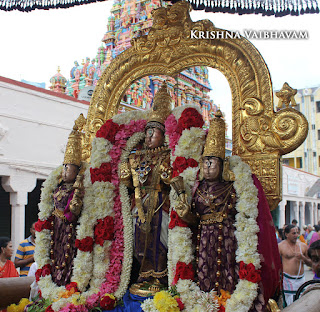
34 128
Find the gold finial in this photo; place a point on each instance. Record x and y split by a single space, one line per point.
286 95
216 139
161 108
73 151
58 69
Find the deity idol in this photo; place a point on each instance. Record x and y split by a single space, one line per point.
67 208
214 211
147 174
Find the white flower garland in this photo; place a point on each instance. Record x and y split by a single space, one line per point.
190 145
97 205
127 220
83 262
246 234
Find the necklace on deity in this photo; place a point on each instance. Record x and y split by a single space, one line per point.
210 199
144 167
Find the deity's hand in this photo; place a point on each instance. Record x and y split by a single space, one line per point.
183 209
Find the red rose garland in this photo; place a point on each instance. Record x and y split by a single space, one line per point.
72 286
101 174
45 270
249 272
107 302
181 163
183 271
175 220
104 230
43 225
85 244
108 131
190 117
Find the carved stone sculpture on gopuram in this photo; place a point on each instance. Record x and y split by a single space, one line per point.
166 222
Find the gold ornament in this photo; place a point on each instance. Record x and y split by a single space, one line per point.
161 108
216 139
259 135
73 154
286 96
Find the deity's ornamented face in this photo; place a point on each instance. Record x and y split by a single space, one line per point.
154 138
69 173
212 169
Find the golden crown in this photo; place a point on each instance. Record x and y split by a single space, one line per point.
216 138
162 104
73 153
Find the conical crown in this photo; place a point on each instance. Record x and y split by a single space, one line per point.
73 153
161 108
216 138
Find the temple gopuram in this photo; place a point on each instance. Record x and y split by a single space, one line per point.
131 19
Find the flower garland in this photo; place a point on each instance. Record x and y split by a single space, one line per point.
186 140
105 234
100 239
180 273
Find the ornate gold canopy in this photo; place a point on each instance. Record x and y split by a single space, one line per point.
260 135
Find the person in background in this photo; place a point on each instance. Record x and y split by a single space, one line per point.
24 256
7 268
293 255
305 232
310 233
314 255
315 235
294 222
283 228
300 236
278 235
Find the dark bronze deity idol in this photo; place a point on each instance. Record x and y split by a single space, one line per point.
147 174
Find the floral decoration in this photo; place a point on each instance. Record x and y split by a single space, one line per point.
181 163
108 302
175 220
247 254
85 244
104 238
183 271
249 272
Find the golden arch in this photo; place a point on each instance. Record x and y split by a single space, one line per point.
260 135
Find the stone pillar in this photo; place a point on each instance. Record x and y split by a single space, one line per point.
311 213
302 214
315 213
19 184
282 213
296 211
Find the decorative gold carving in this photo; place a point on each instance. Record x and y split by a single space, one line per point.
162 106
267 168
272 306
258 132
286 96
73 153
216 138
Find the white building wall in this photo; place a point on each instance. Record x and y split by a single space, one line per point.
34 128
295 201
